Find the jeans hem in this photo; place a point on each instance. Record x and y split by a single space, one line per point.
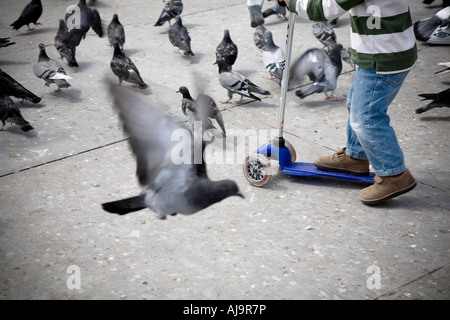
389 172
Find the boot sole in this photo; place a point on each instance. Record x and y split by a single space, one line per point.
356 173
378 201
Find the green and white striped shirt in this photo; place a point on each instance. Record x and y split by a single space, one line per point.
382 35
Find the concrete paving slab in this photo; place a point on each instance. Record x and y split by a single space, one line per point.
296 238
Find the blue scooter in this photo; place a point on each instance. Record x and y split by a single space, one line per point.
257 166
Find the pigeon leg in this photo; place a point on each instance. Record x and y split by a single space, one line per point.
30 29
240 100
225 102
58 90
46 84
333 98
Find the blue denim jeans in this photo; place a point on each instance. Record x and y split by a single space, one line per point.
369 133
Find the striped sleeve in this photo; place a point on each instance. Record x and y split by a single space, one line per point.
321 10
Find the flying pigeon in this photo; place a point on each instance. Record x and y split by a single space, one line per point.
235 82
260 36
179 37
434 30
116 32
65 50
30 14
79 19
169 185
273 59
4 42
9 112
10 87
125 69
446 69
203 109
323 70
438 100
172 8
227 49
50 70
275 9
255 10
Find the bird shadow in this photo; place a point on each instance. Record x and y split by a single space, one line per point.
38 30
321 103
74 96
15 129
10 62
147 91
246 72
82 66
434 118
131 52
29 105
274 22
196 59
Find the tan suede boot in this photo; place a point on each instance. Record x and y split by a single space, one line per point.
341 162
385 188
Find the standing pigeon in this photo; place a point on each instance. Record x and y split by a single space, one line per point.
260 36
275 9
30 14
438 100
434 30
10 87
50 70
273 59
324 32
65 50
9 112
227 49
255 9
4 42
179 37
235 82
79 19
321 68
125 69
203 109
116 33
172 8
168 186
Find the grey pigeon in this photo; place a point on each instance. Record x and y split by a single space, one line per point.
323 70
125 69
5 42
277 10
65 50
255 9
273 59
260 36
227 49
30 14
179 37
10 87
438 100
424 29
172 8
169 186
79 19
9 112
324 32
116 32
203 109
236 83
50 70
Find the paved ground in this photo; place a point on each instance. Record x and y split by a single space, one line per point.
296 238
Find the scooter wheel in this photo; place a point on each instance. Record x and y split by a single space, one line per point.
291 150
257 170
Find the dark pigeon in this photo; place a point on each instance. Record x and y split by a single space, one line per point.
9 112
169 186
50 70
236 83
179 37
124 68
79 21
172 8
275 9
431 30
10 87
203 109
323 70
65 50
116 32
30 14
227 49
5 42
438 100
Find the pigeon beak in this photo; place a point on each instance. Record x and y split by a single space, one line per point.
240 195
